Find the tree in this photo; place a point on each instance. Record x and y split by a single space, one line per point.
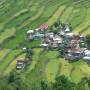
88 82
29 53
62 83
81 86
58 24
12 76
61 51
18 81
4 85
44 86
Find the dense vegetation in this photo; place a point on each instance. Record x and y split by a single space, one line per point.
17 82
16 18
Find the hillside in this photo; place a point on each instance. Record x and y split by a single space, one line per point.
19 16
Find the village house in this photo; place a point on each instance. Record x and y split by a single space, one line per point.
38 36
30 34
79 38
69 57
64 30
48 37
68 36
21 63
43 27
75 53
44 45
56 40
52 39
87 55
49 34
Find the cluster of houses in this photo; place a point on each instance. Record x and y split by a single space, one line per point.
48 38
75 47
52 40
38 33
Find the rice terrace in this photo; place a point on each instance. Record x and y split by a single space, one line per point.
44 44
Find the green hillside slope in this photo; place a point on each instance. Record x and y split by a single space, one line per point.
18 16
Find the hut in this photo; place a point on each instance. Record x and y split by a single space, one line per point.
21 63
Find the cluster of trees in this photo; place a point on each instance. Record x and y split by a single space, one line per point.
58 26
29 53
55 27
62 83
17 82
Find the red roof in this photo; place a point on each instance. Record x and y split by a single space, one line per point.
44 26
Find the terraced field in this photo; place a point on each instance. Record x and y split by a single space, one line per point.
17 17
